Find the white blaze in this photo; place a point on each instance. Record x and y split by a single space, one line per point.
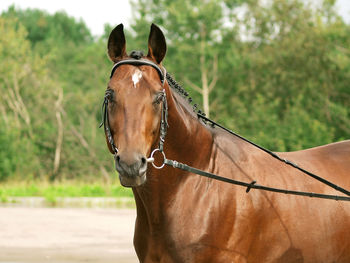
136 77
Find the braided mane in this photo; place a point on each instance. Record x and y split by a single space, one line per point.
184 94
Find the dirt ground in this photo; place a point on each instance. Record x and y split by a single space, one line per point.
66 235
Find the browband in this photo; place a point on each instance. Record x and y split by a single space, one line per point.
140 62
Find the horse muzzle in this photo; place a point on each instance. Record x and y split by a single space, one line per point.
131 168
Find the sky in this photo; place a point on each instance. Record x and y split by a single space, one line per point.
97 13
94 13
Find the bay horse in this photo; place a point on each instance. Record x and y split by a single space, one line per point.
182 217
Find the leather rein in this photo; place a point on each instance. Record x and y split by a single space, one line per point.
136 60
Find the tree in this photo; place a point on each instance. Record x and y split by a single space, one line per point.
23 86
276 72
275 59
44 28
193 35
291 58
58 99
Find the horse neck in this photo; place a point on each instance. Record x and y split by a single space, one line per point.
187 141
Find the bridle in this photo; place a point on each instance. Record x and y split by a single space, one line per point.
137 60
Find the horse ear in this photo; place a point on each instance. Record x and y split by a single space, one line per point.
116 43
156 44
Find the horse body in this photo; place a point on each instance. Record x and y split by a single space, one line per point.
187 218
182 217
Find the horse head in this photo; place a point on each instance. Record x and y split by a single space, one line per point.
134 101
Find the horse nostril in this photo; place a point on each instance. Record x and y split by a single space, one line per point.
130 164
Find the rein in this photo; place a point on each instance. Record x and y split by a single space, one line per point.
251 185
138 61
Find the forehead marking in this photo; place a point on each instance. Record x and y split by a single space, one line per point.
136 76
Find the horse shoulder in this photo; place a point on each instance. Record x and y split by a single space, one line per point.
248 215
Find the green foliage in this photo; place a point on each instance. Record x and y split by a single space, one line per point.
293 57
7 154
20 72
44 28
282 80
31 81
283 65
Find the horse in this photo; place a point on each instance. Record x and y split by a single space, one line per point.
183 217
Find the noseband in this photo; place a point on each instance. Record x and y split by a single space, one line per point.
136 60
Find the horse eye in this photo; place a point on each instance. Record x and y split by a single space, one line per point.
109 95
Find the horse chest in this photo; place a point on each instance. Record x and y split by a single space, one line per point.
195 236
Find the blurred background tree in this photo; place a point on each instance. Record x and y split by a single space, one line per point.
276 71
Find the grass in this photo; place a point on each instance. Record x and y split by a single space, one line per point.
50 191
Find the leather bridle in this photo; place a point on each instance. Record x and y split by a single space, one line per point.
136 61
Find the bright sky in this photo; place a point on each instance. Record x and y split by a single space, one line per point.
94 13
97 13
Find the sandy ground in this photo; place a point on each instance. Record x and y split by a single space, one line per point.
66 235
